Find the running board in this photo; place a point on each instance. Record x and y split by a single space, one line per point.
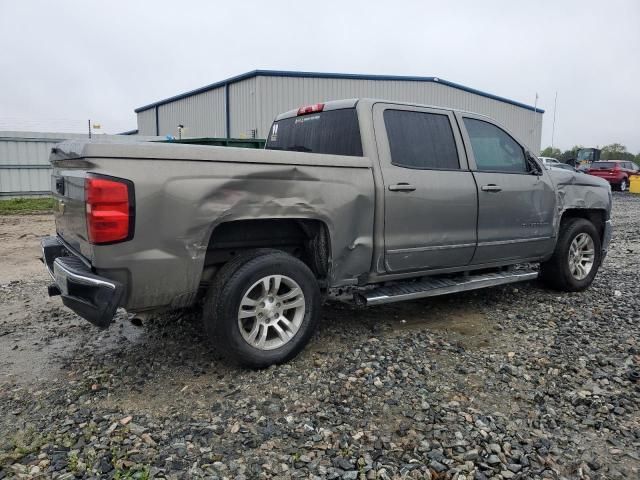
431 287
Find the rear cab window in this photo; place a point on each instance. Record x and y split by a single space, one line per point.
333 132
603 165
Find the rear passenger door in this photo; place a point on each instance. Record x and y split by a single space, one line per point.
516 199
430 197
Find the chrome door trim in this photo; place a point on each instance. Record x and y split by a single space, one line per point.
431 248
509 242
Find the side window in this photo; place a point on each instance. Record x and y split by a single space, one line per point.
493 149
421 140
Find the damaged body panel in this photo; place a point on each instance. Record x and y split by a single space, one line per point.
586 196
578 190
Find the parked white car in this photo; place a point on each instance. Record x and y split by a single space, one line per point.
548 161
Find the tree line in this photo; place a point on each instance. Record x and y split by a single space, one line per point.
615 151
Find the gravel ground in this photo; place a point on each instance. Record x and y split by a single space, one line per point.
511 382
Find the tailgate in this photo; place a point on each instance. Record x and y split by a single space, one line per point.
67 186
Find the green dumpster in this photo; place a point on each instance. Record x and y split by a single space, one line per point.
221 142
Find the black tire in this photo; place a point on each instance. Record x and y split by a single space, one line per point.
222 303
556 272
623 186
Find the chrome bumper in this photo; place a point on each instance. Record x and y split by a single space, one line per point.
94 298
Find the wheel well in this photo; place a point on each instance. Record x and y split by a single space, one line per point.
595 216
305 239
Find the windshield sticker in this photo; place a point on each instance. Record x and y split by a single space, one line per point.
306 119
274 133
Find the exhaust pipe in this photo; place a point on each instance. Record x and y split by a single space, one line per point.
53 290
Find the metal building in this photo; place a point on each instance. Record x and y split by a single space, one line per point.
244 106
24 160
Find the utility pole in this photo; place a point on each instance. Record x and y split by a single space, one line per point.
553 129
535 119
89 124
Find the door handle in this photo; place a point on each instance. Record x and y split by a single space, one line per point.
402 187
491 188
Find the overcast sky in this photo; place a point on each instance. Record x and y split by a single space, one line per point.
63 62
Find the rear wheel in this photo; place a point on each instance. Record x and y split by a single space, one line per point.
262 308
624 185
576 259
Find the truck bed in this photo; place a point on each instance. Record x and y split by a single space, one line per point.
183 192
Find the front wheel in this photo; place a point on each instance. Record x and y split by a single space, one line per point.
576 258
262 308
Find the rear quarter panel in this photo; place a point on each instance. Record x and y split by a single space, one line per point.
179 202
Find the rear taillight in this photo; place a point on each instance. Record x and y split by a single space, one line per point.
318 107
109 206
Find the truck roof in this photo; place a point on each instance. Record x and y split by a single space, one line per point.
352 102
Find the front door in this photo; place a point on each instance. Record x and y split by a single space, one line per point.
430 208
516 200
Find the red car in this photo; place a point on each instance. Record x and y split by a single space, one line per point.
616 172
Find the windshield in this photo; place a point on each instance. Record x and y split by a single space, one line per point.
603 165
585 155
334 132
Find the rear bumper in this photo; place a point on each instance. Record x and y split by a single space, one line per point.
612 179
94 298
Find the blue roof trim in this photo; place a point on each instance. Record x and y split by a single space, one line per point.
343 76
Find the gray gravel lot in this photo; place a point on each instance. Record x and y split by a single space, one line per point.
510 382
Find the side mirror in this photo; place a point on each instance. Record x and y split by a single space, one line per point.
535 167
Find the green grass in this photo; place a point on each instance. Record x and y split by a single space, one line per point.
134 473
20 444
26 205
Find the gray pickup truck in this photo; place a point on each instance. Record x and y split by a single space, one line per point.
368 201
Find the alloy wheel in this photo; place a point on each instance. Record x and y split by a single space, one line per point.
623 186
581 256
271 312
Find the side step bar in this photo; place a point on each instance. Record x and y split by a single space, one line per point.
431 287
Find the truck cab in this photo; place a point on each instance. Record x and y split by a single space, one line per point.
448 197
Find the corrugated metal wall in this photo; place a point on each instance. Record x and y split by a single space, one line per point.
202 115
243 105
24 160
280 94
147 122
255 101
24 163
